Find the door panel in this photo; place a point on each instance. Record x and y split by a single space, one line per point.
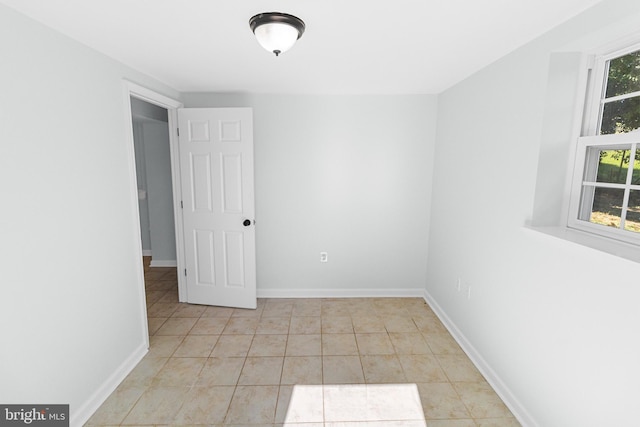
200 177
234 259
216 161
205 260
232 183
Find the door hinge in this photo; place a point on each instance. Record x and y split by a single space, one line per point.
185 271
178 131
181 205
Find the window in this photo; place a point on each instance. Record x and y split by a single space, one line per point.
606 185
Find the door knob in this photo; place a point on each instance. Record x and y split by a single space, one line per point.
246 222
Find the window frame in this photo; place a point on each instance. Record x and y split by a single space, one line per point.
590 137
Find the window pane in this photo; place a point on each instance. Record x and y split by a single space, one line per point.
620 116
624 75
632 222
612 166
607 207
635 178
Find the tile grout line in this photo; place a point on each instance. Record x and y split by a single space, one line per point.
410 312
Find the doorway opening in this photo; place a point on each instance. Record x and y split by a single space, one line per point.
153 175
211 171
155 202
160 117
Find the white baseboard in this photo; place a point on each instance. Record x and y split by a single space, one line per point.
518 410
80 416
163 263
339 293
147 252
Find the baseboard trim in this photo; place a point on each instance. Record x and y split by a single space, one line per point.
339 293
147 252
518 410
163 263
80 416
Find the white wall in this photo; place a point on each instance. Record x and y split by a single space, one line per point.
153 173
141 180
71 306
555 323
159 193
349 175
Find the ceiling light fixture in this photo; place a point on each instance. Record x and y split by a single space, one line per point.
277 32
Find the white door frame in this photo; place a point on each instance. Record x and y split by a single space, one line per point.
171 105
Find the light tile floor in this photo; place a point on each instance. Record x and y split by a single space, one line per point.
220 366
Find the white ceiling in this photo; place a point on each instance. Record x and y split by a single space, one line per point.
349 47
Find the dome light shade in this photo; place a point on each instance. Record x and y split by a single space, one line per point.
276 32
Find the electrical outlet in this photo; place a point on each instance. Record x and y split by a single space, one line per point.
324 257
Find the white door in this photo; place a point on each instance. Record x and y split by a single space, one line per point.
216 169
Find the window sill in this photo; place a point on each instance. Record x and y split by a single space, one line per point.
602 244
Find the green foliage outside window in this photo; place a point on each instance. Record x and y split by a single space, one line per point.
624 77
619 116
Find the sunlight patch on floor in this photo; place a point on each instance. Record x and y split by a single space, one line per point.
361 405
